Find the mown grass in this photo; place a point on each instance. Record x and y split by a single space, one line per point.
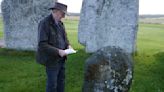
1 28
148 71
20 73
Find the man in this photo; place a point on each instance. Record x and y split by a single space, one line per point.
52 41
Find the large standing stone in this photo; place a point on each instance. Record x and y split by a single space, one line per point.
108 23
21 19
108 70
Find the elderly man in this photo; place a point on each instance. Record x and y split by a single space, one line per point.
52 41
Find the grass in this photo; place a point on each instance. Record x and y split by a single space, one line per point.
1 28
20 73
148 72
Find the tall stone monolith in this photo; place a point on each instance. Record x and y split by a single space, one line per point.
108 28
21 19
108 23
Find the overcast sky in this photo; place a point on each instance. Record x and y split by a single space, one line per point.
145 6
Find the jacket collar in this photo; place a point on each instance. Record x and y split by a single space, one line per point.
51 20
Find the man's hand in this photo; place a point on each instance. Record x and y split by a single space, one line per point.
62 53
70 47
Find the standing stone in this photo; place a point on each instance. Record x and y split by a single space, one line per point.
108 70
21 19
108 23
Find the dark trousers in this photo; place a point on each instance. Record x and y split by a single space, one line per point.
56 77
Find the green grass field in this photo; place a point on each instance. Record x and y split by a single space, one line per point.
1 28
20 73
148 72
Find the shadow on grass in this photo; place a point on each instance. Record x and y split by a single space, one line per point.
11 52
159 65
159 57
148 72
81 55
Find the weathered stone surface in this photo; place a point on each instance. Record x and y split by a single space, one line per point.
108 23
21 19
108 70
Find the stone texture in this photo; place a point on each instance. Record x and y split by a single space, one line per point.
108 23
2 43
109 69
21 19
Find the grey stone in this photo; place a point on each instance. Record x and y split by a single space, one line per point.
108 23
110 69
21 19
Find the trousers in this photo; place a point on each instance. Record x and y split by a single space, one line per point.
55 77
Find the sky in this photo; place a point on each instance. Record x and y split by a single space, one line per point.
145 6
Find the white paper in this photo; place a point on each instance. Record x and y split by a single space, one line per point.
70 51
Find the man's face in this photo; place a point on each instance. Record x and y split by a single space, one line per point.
62 14
59 14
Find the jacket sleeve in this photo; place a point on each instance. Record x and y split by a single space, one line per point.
43 36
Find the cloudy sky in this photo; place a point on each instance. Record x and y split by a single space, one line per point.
145 6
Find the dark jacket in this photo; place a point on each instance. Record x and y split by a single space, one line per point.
48 42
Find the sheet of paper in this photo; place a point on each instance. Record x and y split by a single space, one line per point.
70 51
